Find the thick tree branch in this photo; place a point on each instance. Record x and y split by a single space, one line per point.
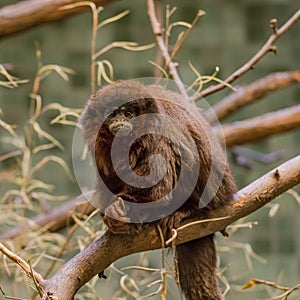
251 93
99 255
267 47
253 129
29 13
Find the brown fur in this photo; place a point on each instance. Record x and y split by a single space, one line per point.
196 259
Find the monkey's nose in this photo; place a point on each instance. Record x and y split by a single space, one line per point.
120 129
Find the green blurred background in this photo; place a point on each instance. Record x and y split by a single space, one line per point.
227 36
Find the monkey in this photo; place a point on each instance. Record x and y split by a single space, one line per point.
161 138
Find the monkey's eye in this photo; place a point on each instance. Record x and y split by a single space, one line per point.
128 114
109 113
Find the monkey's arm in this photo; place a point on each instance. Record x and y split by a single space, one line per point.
154 172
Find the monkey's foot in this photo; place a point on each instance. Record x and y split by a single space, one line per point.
115 217
116 226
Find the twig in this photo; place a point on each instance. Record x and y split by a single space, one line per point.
252 282
99 255
175 231
157 30
287 290
10 155
159 60
179 44
248 94
22 263
267 47
285 295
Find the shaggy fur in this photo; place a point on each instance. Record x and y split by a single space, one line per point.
196 259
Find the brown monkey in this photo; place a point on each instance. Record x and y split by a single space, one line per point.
160 139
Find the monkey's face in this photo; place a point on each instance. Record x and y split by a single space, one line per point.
118 119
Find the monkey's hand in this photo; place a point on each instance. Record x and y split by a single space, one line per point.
115 217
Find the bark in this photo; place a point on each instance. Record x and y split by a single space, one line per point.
253 129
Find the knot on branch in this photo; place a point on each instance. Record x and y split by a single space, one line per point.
273 25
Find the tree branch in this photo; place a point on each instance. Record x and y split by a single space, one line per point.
21 262
55 219
29 13
100 254
267 47
250 93
253 129
157 30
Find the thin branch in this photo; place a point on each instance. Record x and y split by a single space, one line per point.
158 32
285 295
22 263
159 60
287 290
100 254
251 93
267 47
178 45
269 124
29 13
